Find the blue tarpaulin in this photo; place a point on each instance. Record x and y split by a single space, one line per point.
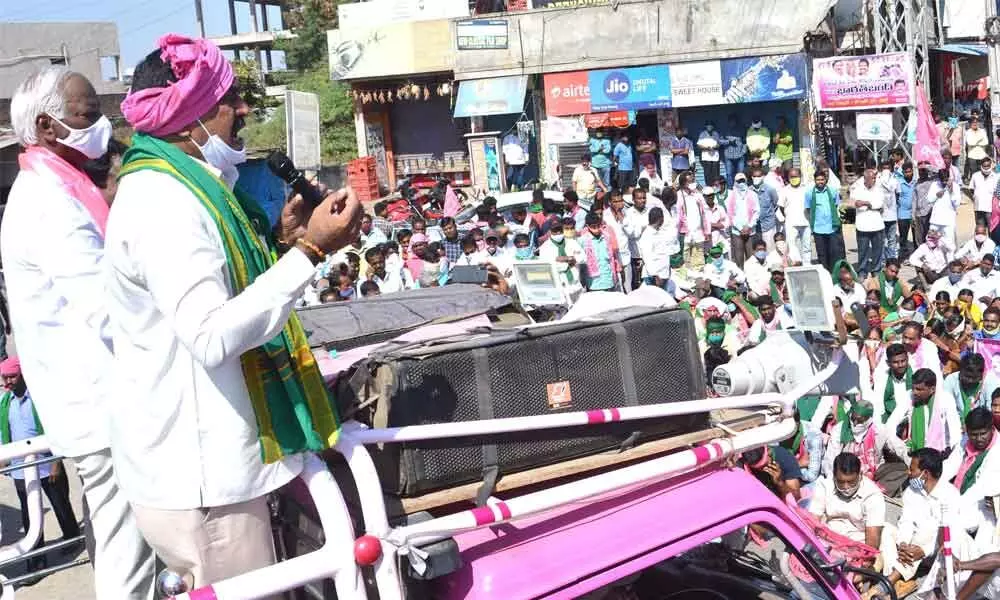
966 49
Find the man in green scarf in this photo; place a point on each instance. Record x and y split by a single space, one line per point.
218 395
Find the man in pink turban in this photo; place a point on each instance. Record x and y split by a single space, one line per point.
52 241
218 397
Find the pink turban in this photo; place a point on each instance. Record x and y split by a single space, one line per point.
417 238
203 78
11 366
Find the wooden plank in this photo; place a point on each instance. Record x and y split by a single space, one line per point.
467 493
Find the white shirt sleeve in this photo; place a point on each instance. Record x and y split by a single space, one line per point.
874 510
179 256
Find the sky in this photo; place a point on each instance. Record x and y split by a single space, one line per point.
140 22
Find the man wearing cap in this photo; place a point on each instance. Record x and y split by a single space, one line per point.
859 435
217 395
19 421
52 241
721 273
567 255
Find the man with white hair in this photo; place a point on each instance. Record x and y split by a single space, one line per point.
52 242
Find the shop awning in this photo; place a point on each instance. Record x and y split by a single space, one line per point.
966 49
493 96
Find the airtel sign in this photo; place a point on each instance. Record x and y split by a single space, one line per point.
567 94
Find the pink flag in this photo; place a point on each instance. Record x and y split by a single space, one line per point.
928 147
990 351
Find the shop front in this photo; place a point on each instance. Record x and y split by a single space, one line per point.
656 107
501 142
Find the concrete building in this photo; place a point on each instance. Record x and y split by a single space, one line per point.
453 94
88 48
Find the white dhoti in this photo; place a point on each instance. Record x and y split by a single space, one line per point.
890 556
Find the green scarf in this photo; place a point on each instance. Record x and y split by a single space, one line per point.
835 273
970 475
897 293
561 247
918 424
846 434
967 399
889 395
721 199
807 406
293 407
834 213
5 418
776 294
792 444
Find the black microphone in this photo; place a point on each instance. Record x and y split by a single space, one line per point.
283 167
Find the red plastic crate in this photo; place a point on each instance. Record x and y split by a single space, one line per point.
364 167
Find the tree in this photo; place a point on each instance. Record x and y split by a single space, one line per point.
309 20
306 55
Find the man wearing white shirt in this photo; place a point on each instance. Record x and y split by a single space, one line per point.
567 255
388 282
983 281
928 420
931 258
638 215
891 391
616 218
850 504
202 429
950 282
984 183
757 272
658 243
721 273
976 144
52 241
792 200
870 230
945 197
973 250
927 498
708 144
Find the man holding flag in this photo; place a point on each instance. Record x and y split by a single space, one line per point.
217 393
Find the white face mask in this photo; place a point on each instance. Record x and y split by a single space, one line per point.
692 187
756 124
859 429
91 142
758 180
557 237
222 156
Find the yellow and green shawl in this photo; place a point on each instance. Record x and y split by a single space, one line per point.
294 410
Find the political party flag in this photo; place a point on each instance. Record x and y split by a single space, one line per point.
928 147
990 351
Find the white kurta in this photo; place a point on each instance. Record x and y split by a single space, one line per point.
53 258
183 431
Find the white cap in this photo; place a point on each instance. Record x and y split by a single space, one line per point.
708 190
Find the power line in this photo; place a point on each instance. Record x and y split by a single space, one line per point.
152 22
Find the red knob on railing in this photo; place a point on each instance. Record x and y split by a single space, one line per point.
367 550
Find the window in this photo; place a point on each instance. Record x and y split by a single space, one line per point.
743 564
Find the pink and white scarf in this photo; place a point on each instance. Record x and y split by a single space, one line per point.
75 183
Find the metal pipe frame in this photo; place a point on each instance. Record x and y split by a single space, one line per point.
336 558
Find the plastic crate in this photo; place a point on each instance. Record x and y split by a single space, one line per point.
364 167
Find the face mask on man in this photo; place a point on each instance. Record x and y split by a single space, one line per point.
859 429
522 253
848 492
741 186
692 187
557 238
794 181
954 278
756 124
222 156
991 330
718 262
958 330
491 249
715 339
91 142
760 255
709 128
917 485
980 238
757 181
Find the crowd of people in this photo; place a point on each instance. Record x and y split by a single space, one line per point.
180 313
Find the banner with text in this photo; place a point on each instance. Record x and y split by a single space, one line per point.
696 84
629 89
858 82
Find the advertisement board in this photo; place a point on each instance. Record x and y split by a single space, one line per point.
629 88
874 127
492 96
859 82
567 94
764 78
302 129
696 84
